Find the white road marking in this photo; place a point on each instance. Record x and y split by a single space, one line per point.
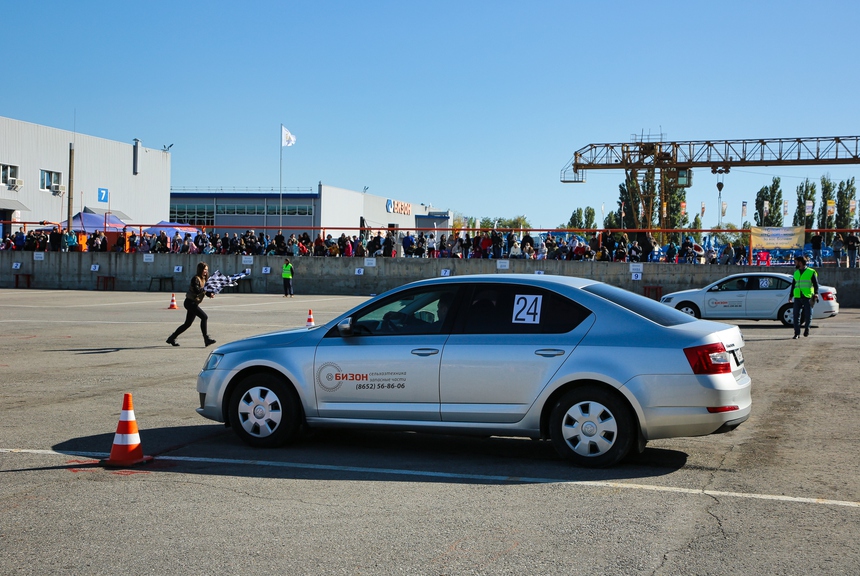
456 476
52 321
275 300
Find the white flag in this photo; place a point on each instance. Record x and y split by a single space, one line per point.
287 139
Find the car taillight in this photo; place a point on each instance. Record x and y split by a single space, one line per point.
709 359
718 409
828 296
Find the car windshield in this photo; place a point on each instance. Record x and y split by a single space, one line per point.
645 307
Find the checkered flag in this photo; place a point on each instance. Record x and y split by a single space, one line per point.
218 281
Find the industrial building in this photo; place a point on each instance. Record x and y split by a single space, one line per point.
43 170
328 208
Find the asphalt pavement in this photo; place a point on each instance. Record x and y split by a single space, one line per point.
779 495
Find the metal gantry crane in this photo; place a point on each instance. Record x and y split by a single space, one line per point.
675 160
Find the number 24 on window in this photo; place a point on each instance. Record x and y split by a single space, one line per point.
527 309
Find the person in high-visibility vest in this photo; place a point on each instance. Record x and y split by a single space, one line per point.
287 275
804 292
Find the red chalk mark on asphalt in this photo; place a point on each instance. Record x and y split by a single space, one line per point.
129 472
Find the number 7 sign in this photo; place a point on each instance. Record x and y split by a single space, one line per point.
103 194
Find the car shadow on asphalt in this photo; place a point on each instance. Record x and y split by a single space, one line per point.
104 349
770 326
335 454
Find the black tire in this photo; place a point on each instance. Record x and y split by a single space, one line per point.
264 411
689 308
592 427
786 315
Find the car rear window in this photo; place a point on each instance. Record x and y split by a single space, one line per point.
645 307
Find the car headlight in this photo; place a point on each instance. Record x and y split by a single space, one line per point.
666 299
212 361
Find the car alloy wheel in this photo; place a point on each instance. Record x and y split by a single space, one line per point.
689 308
592 427
786 315
264 411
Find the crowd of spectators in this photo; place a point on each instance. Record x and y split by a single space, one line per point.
606 246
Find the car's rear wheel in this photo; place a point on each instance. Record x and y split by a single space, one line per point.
786 315
689 308
264 411
592 427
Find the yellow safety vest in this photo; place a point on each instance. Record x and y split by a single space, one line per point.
288 271
803 283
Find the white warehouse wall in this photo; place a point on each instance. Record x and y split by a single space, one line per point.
99 163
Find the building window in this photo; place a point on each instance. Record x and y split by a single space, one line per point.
204 214
6 172
47 179
195 214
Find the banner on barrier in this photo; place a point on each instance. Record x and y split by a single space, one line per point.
789 237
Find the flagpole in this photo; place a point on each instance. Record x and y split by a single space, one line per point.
281 182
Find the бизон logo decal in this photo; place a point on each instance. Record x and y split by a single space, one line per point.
327 377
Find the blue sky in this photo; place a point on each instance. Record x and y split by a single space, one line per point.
472 106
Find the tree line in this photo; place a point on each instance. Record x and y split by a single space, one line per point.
646 203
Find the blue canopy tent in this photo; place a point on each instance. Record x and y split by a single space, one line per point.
86 222
171 228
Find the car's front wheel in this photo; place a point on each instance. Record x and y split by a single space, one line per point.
689 308
592 427
264 411
786 315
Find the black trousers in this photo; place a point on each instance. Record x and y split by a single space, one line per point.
288 286
802 310
193 311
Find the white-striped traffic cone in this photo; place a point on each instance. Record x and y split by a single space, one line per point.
173 305
310 318
126 449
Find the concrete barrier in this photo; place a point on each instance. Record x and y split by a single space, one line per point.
81 271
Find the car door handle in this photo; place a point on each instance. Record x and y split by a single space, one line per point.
549 352
425 351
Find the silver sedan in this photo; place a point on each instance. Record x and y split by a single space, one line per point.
597 370
753 296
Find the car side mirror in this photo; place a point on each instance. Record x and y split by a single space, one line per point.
344 327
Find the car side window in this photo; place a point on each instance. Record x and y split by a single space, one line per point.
418 311
733 285
764 282
512 309
778 284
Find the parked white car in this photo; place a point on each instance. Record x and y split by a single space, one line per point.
755 296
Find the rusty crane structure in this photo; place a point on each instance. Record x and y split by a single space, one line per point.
674 161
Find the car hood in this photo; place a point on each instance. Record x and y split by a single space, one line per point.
271 339
683 293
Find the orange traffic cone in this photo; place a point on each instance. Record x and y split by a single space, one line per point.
310 318
126 449
173 305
